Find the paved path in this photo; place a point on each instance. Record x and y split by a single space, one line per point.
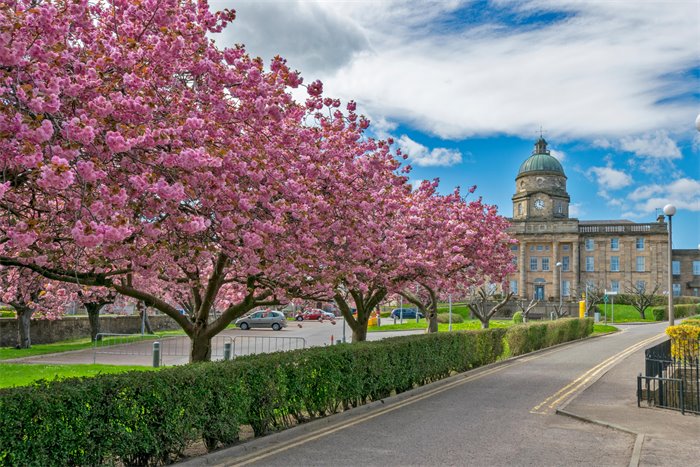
175 350
500 415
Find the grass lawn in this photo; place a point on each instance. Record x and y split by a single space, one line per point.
603 329
625 314
469 324
64 346
23 374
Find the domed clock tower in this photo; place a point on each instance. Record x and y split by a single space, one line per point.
540 187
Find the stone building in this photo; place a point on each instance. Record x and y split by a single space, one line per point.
607 254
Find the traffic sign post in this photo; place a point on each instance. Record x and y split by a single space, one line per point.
611 294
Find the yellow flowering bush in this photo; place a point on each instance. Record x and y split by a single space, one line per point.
685 341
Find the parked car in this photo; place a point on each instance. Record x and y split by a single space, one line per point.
408 313
313 315
263 319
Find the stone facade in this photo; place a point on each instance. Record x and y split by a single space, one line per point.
609 254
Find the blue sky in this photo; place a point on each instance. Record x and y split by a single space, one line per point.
464 87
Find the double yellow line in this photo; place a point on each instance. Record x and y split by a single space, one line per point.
549 405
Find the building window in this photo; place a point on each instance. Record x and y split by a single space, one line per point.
589 244
676 267
514 248
614 286
566 288
515 261
545 264
641 264
615 263
676 290
640 243
540 247
520 209
533 264
565 247
590 264
532 247
641 286
546 247
614 244
564 263
696 268
514 286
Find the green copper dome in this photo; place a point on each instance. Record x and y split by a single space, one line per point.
541 160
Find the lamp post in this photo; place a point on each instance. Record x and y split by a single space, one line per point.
670 210
559 265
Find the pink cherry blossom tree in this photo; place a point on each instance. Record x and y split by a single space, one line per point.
32 297
139 157
453 244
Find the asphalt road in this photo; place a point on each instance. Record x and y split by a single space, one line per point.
499 416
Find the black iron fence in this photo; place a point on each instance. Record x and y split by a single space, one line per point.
668 382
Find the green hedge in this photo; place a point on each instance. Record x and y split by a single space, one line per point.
679 311
529 337
141 418
445 318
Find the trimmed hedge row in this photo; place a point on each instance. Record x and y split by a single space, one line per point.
535 336
679 311
141 418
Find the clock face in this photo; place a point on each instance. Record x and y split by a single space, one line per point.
539 204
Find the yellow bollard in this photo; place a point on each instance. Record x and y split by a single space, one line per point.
582 309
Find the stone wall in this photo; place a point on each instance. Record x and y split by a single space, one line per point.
75 327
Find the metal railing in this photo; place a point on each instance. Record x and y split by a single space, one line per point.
668 382
138 345
248 345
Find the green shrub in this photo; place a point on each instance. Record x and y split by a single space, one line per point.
679 311
529 337
149 418
7 313
445 318
518 317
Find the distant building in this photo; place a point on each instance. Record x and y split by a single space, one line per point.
608 254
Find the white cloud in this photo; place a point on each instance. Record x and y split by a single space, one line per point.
420 155
656 144
684 193
558 155
609 178
576 210
597 74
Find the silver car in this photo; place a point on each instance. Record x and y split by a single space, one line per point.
263 319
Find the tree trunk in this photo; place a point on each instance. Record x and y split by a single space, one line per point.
359 334
485 324
93 311
24 316
200 350
431 316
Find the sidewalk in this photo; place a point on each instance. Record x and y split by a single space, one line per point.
667 437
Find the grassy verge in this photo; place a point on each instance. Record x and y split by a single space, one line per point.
603 329
7 353
625 314
469 324
22 374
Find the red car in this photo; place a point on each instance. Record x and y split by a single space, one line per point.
314 314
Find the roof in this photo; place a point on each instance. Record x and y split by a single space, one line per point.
541 160
617 221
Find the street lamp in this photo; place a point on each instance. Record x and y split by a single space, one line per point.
559 265
670 210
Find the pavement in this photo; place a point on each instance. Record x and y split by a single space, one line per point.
663 436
